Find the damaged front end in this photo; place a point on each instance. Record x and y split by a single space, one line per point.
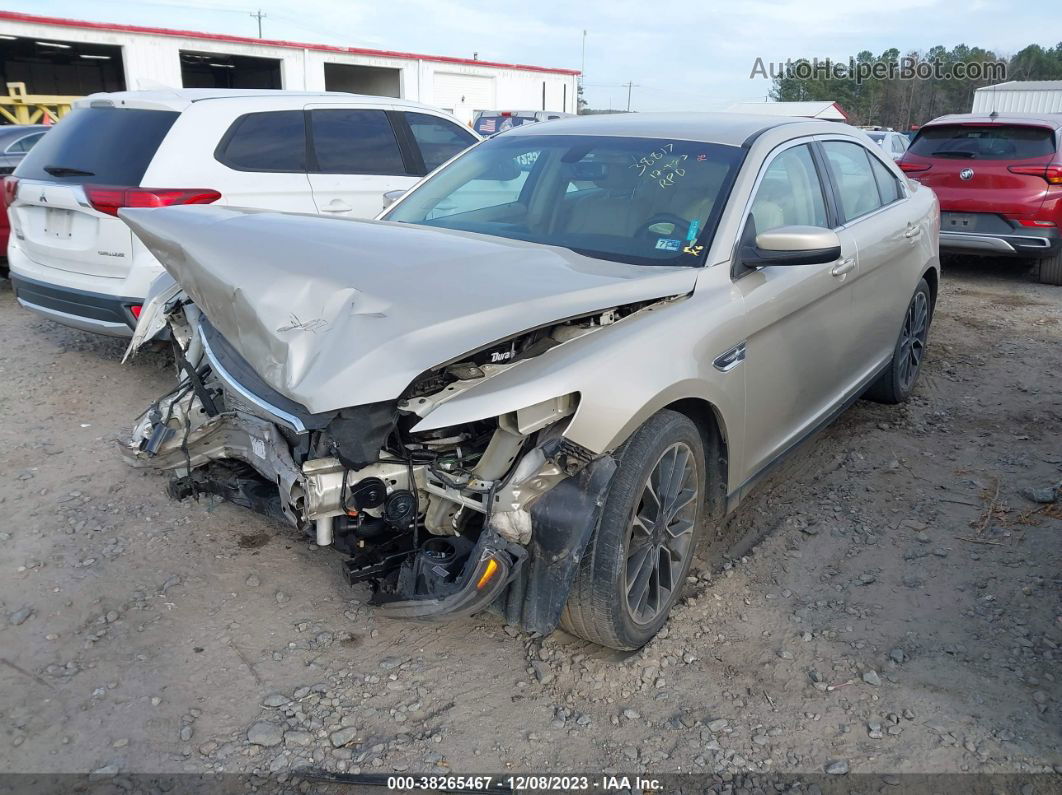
440 523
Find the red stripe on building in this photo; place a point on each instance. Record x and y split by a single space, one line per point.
15 16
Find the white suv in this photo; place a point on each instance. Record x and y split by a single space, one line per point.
74 261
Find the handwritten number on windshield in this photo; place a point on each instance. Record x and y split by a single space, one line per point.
665 172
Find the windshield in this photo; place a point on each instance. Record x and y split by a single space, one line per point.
645 201
876 136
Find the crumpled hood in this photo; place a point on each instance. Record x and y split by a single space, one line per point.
334 313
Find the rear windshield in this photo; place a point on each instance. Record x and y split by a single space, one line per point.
109 146
984 142
488 125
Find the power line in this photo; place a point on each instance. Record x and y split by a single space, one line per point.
259 16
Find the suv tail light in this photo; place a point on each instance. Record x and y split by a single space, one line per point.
913 168
109 200
10 190
1051 173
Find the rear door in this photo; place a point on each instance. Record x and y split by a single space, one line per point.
969 169
355 158
890 242
52 221
264 158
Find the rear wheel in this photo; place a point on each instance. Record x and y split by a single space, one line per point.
1051 269
634 568
897 382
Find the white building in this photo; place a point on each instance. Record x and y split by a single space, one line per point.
1020 96
71 57
828 110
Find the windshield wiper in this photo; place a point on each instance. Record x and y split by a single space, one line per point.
67 171
950 153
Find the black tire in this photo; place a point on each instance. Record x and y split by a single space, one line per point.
896 384
598 607
1050 270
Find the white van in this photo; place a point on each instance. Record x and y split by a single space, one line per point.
74 261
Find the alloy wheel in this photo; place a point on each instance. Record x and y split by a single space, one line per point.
660 538
913 340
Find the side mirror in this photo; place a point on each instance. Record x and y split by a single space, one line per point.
792 245
391 197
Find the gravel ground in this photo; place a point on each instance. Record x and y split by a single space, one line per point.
891 602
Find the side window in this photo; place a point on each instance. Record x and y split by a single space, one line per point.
438 139
888 185
852 174
351 141
790 192
268 141
899 144
25 143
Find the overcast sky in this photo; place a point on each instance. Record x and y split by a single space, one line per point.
680 55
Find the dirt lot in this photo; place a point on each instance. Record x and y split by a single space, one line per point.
899 612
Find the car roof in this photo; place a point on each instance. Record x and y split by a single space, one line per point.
180 99
1053 120
723 128
8 131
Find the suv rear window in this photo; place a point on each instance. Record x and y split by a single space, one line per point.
984 142
109 146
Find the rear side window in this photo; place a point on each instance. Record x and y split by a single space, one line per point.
269 141
854 178
438 139
888 185
110 146
984 142
349 141
23 144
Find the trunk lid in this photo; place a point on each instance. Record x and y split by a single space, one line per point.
57 228
334 312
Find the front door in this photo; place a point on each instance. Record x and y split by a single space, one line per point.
800 325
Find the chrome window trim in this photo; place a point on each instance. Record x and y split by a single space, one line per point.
280 415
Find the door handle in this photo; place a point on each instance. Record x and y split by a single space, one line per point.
843 267
336 206
912 231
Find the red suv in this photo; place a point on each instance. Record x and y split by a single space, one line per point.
999 182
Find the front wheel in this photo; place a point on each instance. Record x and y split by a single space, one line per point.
637 561
897 382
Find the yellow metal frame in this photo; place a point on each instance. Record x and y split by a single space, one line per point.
18 107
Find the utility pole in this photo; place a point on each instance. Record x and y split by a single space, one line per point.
582 69
259 16
629 87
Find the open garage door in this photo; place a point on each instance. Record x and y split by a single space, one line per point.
60 68
356 79
215 70
463 95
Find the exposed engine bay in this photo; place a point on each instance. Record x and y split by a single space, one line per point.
440 523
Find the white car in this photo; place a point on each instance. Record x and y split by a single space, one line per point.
894 143
326 153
